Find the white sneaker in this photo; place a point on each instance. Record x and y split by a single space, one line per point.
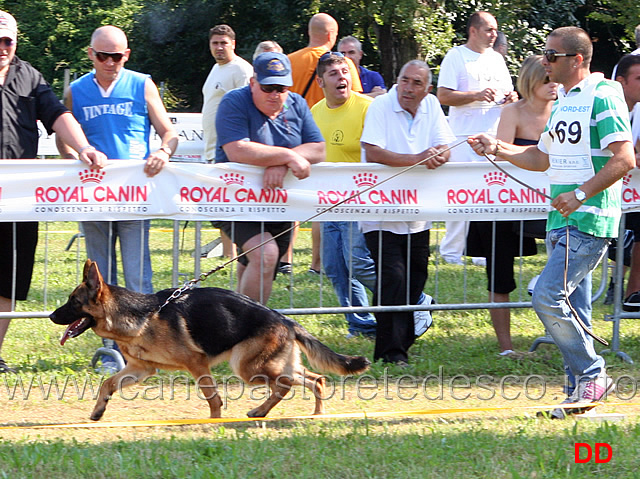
422 320
479 261
453 260
532 284
585 396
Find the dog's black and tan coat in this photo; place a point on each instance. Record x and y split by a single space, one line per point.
201 328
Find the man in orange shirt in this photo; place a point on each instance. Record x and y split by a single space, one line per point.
323 33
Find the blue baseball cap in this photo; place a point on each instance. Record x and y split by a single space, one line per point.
273 68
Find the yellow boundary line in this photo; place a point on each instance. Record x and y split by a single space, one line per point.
349 415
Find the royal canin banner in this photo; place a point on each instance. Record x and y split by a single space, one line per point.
65 190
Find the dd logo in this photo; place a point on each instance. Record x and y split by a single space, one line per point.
598 447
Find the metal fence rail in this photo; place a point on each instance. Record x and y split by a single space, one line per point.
326 303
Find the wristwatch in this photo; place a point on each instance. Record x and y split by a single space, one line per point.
167 150
581 196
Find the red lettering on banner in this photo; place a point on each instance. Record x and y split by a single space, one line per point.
394 197
630 195
246 195
77 194
198 193
333 197
483 196
464 196
598 446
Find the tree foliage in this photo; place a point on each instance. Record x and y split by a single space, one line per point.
53 35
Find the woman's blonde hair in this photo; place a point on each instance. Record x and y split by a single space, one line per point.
532 75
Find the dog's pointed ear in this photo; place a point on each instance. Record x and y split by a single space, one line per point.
92 276
85 271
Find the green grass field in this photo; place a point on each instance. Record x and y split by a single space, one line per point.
458 410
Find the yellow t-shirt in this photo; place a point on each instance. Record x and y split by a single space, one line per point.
303 63
341 127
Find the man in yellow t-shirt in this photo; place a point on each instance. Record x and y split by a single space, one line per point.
345 257
323 33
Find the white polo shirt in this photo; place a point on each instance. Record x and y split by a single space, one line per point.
389 126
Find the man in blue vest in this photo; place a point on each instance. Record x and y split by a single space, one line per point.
116 108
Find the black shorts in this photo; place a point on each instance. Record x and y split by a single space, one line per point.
500 257
242 231
632 222
25 245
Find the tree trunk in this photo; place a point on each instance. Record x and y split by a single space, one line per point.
395 51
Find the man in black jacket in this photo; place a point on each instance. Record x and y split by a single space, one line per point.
26 97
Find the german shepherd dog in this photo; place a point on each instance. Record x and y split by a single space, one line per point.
200 328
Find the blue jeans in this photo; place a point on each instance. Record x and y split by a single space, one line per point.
100 240
348 264
585 253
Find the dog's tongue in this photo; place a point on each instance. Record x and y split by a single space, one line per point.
71 329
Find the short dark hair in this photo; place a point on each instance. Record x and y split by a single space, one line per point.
326 60
575 40
222 30
625 63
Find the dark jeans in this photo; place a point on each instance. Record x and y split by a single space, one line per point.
401 265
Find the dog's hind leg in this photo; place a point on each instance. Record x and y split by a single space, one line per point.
130 375
279 386
208 386
316 384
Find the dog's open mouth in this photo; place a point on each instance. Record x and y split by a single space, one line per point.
75 329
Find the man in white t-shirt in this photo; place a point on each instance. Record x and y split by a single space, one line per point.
474 82
229 72
402 127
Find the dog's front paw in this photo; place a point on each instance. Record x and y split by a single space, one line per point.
97 413
256 413
96 416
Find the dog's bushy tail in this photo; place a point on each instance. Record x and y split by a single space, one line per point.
325 359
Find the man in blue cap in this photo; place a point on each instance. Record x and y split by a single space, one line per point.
264 124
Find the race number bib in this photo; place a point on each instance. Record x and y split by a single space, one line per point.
568 140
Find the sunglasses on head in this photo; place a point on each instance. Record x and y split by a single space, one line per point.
6 42
552 55
272 88
103 56
327 55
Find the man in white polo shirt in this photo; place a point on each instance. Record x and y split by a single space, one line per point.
402 128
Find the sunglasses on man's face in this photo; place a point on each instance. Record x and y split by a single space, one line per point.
6 42
552 55
272 88
103 56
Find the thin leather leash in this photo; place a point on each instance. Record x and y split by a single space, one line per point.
192 282
566 253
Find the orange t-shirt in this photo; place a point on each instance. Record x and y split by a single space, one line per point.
303 63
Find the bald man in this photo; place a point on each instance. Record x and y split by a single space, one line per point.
323 33
116 108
